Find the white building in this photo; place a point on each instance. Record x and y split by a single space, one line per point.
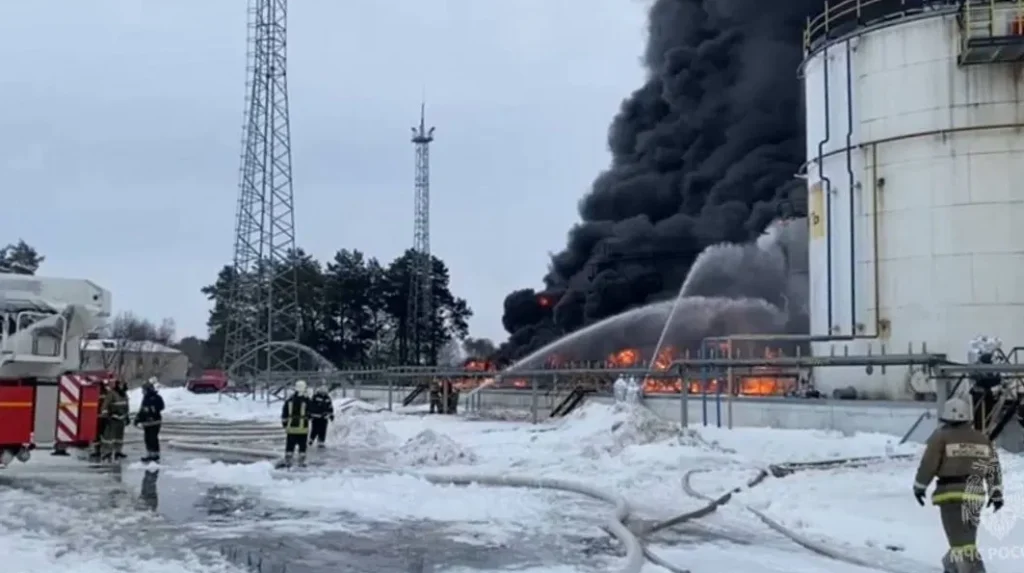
134 361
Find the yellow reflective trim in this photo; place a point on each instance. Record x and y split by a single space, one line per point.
956 496
15 404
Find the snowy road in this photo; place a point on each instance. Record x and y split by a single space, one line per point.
211 516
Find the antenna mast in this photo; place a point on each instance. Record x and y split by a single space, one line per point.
420 317
263 306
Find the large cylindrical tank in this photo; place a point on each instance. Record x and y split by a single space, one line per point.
915 189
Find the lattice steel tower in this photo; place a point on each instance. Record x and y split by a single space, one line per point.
421 309
264 298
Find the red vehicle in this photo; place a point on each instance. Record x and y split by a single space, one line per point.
43 400
209 382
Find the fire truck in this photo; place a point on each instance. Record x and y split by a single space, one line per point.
44 398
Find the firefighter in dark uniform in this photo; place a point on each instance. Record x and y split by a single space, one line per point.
321 411
984 392
447 390
101 422
964 463
295 421
115 409
435 397
150 418
453 399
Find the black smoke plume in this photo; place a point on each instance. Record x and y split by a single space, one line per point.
703 153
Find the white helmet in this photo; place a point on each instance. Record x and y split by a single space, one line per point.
321 389
300 386
957 409
153 380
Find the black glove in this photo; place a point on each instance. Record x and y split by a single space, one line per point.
919 496
995 501
331 417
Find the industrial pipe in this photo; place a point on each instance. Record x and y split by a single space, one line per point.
827 188
851 183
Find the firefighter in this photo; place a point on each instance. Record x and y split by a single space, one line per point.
435 397
453 399
101 422
115 410
321 411
964 463
295 421
986 387
150 418
446 396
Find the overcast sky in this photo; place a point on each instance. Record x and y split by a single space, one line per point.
120 130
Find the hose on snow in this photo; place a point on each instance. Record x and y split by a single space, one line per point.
205 437
615 525
809 544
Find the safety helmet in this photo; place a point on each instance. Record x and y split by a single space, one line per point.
321 389
152 381
956 410
300 386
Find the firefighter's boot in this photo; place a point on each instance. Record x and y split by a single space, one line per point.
952 562
302 460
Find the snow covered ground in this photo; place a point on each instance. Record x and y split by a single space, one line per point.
867 512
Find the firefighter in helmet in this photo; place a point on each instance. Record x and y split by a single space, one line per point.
150 418
986 387
321 412
964 464
295 421
114 409
101 422
435 396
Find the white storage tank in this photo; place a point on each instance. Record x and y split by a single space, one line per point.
915 172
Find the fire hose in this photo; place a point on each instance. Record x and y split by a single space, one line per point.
204 437
198 437
809 544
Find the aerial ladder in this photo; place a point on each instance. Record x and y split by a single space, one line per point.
44 398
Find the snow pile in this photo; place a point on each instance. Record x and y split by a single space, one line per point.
429 448
500 414
608 430
361 431
346 405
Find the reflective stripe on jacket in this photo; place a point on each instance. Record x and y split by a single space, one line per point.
295 415
115 406
964 464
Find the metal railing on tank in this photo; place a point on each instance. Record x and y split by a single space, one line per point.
989 26
983 15
839 17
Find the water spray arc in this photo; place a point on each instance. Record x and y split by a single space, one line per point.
263 303
420 315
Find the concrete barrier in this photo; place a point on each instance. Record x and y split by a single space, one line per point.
847 416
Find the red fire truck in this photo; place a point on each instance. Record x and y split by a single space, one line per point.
44 399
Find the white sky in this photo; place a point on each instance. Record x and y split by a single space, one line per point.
120 131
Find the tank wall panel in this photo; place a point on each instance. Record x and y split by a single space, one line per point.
942 155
